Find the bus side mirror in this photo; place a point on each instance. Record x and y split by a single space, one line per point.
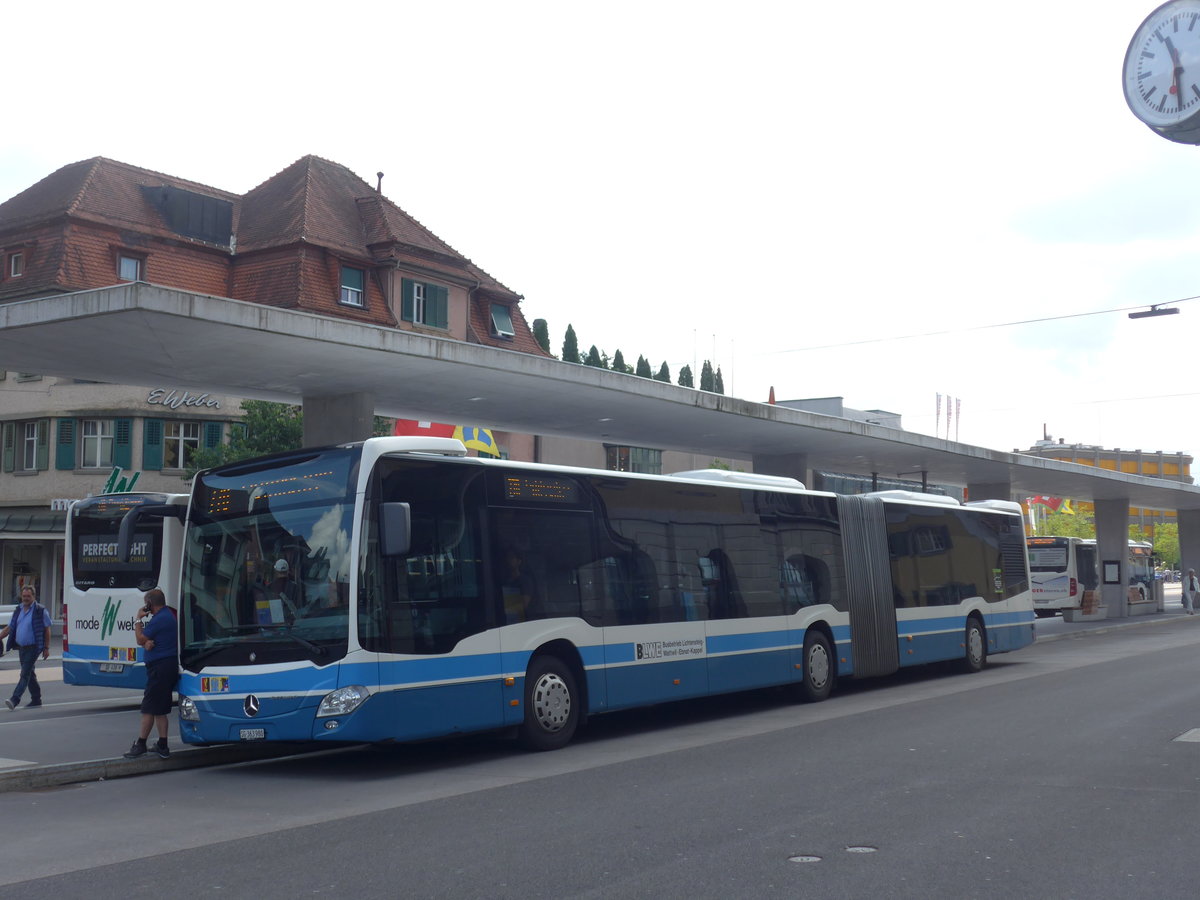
130 521
395 529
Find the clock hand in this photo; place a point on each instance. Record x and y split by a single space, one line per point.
1176 89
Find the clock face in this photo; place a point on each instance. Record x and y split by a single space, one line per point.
1162 66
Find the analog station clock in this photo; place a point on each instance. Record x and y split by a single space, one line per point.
1162 71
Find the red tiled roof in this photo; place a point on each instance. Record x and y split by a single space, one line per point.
101 190
313 203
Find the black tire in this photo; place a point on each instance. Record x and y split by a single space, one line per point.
551 705
820 668
975 642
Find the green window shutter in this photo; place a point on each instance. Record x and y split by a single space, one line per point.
64 455
406 299
152 443
10 444
43 444
438 305
212 434
123 443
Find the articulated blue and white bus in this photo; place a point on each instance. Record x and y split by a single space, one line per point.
397 589
102 592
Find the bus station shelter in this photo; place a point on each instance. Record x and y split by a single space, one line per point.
344 373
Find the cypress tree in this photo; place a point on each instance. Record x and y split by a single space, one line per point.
570 351
541 334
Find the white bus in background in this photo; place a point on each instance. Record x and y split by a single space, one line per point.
1061 569
102 594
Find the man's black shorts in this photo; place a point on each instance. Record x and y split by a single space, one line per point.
161 676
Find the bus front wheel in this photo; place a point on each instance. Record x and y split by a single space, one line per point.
551 705
818 668
975 657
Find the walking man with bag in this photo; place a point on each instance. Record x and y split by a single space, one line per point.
29 633
1191 585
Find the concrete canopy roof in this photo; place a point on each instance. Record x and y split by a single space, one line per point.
144 334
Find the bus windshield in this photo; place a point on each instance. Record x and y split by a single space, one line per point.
267 561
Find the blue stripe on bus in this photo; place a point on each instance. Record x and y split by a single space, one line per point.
761 640
94 651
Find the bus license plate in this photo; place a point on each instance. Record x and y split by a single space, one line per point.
253 734
112 667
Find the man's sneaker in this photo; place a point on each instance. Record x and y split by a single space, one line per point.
138 749
9 704
34 704
163 751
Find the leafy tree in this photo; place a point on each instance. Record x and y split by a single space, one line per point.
664 373
541 334
1065 525
570 351
643 368
718 382
685 377
1166 545
266 427
706 377
593 359
619 364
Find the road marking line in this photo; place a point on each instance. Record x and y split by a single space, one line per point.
15 763
1193 736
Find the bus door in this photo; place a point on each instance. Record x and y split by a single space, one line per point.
873 634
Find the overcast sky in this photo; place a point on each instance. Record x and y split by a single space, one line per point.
791 190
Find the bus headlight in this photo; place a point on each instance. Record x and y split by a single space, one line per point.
187 710
343 701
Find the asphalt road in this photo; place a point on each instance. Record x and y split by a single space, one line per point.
1062 771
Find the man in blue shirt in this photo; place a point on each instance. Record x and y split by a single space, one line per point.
29 632
159 640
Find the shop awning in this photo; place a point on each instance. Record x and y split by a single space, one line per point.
32 521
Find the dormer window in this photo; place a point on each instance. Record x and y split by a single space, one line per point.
16 265
130 268
502 325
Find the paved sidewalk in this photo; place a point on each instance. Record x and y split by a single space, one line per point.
43 747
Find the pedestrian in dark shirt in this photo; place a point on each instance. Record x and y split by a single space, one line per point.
159 640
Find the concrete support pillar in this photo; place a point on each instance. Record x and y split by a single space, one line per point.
338 419
1189 539
989 490
789 465
1112 546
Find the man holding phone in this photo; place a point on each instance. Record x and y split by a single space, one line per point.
159 640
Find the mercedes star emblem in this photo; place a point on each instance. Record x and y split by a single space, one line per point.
251 706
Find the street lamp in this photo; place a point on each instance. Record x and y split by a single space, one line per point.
1154 311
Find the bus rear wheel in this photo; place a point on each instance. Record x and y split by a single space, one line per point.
551 705
817 682
975 642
